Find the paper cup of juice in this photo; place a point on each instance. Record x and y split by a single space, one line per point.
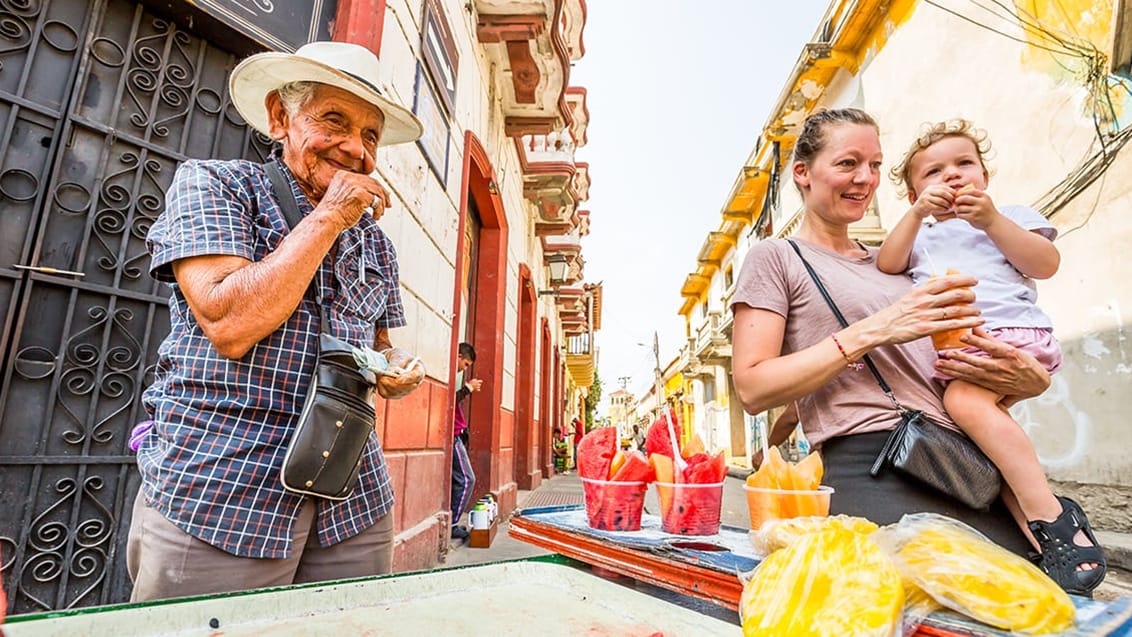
689 509
778 504
614 506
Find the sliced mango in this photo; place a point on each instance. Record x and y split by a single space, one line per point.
615 465
662 465
694 445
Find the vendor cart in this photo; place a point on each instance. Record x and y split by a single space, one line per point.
551 596
708 567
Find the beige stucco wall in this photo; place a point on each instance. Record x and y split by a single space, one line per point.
424 220
937 66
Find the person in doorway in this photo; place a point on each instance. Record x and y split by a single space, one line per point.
250 297
1005 248
788 346
463 478
561 451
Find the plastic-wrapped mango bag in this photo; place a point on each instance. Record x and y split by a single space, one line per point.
835 582
778 534
961 569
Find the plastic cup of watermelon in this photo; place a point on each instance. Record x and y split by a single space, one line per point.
780 504
690 509
614 506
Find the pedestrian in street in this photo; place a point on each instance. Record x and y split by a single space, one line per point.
638 438
788 345
579 432
250 296
463 477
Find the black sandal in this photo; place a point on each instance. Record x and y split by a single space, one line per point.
1061 555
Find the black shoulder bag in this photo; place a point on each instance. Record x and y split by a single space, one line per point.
325 452
944 459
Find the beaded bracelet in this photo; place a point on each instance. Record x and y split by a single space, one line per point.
849 362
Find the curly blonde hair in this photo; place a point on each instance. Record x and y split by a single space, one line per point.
932 133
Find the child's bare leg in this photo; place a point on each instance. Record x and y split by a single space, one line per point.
978 413
1011 502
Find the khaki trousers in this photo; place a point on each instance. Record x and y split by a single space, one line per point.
164 561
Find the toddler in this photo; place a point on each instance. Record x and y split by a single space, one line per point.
953 223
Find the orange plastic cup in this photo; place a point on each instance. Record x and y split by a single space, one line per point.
614 506
950 338
780 504
691 509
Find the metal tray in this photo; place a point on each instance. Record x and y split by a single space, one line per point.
509 598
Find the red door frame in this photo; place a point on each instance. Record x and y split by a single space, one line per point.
528 474
478 177
360 22
544 425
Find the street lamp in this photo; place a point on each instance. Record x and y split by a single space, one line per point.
558 266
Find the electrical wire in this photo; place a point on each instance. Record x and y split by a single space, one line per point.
1097 83
994 30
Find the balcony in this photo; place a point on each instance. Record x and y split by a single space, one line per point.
580 359
552 181
710 344
531 43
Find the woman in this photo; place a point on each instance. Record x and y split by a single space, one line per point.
789 347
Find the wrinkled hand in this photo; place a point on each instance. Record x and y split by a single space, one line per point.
351 195
933 201
398 385
938 305
976 208
1009 371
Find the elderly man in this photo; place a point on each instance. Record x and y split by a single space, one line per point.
248 296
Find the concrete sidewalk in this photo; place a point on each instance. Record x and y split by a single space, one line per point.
567 489
561 489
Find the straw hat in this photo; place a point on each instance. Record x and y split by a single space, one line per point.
349 67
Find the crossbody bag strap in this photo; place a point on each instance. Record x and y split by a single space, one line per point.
841 319
291 213
284 194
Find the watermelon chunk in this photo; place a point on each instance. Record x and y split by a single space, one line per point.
694 510
612 506
657 439
636 468
595 453
700 470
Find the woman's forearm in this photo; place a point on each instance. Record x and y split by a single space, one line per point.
764 378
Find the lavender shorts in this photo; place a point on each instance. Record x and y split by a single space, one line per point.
1035 341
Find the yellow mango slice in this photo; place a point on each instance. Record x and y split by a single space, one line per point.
971 575
778 534
835 582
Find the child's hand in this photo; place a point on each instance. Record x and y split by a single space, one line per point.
933 201
976 208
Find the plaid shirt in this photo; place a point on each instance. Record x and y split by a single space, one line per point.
211 462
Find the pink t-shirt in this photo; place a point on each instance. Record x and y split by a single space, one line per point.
459 423
773 278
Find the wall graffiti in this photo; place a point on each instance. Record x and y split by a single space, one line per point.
1055 409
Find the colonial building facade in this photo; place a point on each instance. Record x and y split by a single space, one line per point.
99 103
